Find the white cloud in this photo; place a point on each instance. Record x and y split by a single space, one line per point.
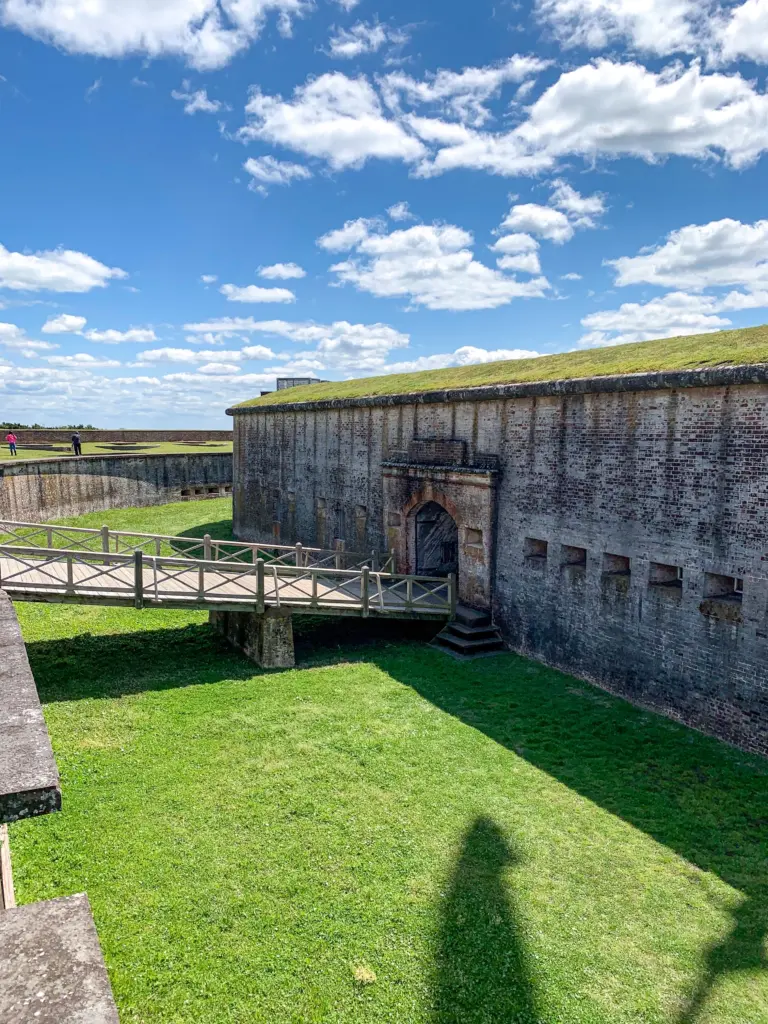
188 355
745 33
14 338
571 277
656 26
460 94
333 117
432 265
207 33
583 211
467 355
197 102
112 337
65 323
348 43
83 360
57 270
282 272
353 233
539 220
253 293
266 170
218 368
721 253
257 352
347 5
511 245
525 262
400 211
209 278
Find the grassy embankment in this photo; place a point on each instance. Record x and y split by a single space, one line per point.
107 449
725 348
494 842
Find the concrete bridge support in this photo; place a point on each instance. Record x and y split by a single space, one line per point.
265 638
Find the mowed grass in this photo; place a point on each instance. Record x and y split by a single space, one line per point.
724 348
384 834
106 450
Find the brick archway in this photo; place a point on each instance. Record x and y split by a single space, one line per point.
468 496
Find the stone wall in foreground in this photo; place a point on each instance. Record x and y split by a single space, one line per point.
45 489
44 436
617 527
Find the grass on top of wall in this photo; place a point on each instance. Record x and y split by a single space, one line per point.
725 348
107 449
384 835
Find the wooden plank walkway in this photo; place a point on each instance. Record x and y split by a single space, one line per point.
138 580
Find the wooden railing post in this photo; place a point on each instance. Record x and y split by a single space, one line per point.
375 561
299 558
49 537
201 581
158 545
409 593
138 578
70 575
365 596
452 595
207 547
340 554
105 539
260 586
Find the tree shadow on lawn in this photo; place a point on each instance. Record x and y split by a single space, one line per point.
482 975
695 795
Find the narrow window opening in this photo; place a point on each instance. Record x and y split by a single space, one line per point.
535 551
474 538
616 565
669 576
723 588
573 558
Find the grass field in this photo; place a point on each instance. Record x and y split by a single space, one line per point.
105 449
384 834
725 348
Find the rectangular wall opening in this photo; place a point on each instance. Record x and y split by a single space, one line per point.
616 565
723 588
535 551
668 577
573 558
473 538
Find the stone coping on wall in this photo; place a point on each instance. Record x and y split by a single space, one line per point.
422 468
29 779
717 376
51 967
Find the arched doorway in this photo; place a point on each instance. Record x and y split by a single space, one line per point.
437 541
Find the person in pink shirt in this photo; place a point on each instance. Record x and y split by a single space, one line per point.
11 439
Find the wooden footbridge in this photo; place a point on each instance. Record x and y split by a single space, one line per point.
64 564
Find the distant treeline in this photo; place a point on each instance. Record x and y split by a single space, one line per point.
40 426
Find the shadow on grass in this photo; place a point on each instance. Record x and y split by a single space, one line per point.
482 974
691 793
219 530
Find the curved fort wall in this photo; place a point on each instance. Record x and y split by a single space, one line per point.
617 527
44 489
52 436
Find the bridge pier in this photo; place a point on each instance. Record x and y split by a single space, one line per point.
265 638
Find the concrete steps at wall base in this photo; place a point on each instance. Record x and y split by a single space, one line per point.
470 635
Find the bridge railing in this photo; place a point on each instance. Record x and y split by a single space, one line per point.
167 580
78 538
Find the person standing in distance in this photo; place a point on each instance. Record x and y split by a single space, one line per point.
77 446
11 439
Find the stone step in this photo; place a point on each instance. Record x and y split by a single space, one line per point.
459 644
471 616
472 632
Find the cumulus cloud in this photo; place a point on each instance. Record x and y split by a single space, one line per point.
209 279
196 102
400 211
348 43
538 220
460 94
266 170
14 338
207 33
659 27
65 323
254 293
467 355
112 337
431 265
57 270
334 118
721 253
187 355
282 272
83 360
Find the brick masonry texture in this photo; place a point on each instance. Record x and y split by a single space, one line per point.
43 489
567 495
32 437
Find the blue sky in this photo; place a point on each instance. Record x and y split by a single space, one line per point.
199 195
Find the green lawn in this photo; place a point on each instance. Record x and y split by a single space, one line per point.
384 834
724 348
105 449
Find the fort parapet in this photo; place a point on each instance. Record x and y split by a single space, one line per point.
617 527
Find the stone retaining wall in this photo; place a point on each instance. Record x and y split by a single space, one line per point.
32 437
45 489
617 527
